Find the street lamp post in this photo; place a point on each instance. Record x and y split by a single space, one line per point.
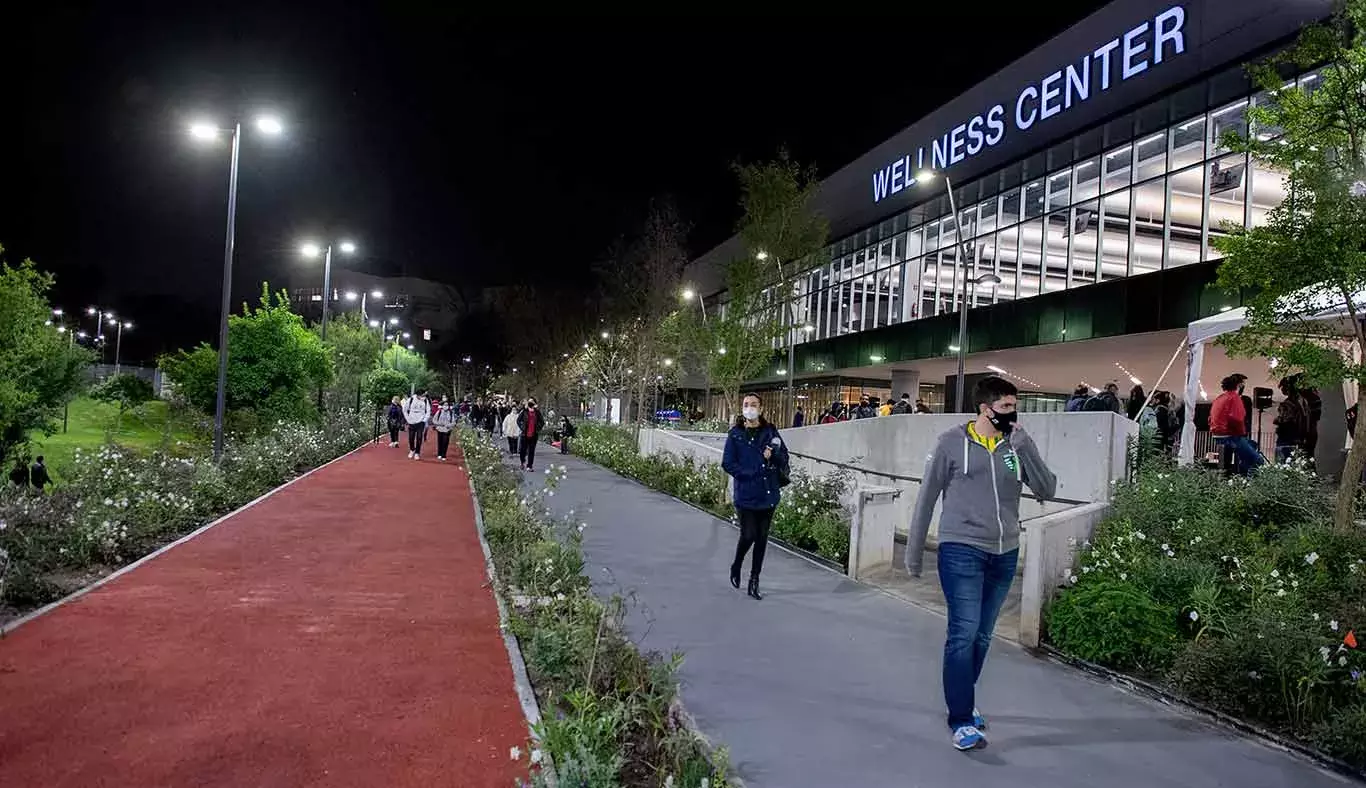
118 341
706 367
986 279
789 333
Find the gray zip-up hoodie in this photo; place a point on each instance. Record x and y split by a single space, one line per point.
981 492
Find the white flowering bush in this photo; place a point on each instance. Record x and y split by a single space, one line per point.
117 504
1237 593
811 516
608 711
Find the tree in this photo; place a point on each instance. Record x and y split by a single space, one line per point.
125 390
382 384
740 338
781 229
1311 252
354 348
40 370
275 364
413 367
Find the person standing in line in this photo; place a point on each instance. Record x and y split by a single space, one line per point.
38 474
1134 408
798 418
531 424
1228 424
865 409
885 409
394 420
921 407
443 422
756 458
833 415
1108 399
903 406
510 429
416 410
1292 422
1079 396
980 470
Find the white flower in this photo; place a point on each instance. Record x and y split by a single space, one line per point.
1166 548
1072 579
1324 651
1275 573
536 756
108 501
515 753
1333 625
1139 535
1342 661
1195 616
1315 616
1123 575
1311 558
1280 592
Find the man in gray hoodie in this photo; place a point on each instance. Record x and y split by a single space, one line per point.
979 469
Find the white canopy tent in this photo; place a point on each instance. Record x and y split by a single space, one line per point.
1332 317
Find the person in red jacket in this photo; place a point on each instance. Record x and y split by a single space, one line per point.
1228 424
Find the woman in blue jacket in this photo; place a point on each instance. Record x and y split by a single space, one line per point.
756 458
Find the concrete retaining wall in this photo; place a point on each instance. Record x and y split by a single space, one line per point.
1052 542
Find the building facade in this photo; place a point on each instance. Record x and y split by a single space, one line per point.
1091 178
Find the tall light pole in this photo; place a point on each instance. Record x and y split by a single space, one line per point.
924 177
688 295
118 340
209 131
312 250
789 320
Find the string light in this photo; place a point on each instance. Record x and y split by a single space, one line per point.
1020 378
1132 376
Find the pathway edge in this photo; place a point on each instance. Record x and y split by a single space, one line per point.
526 695
80 592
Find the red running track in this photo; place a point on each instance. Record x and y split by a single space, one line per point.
337 633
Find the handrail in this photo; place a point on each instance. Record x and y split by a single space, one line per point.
896 476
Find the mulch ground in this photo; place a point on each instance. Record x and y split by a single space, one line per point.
338 633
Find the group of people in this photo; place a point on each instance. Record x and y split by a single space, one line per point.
1296 422
523 424
868 407
978 469
35 475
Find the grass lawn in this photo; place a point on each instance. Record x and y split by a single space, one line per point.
91 424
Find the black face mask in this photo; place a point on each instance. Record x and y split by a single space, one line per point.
1005 422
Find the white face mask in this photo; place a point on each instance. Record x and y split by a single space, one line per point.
750 414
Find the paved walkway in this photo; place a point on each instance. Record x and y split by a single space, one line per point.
336 634
831 683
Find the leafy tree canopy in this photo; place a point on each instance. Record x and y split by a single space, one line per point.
39 368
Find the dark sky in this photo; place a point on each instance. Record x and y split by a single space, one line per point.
459 149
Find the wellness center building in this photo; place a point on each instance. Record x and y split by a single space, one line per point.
1091 180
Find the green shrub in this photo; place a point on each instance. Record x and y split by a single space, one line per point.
1344 734
1113 623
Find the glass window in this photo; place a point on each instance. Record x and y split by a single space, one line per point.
1008 263
1087 180
1031 257
1225 119
1118 164
1185 212
1188 143
899 248
1188 102
1057 234
889 298
915 243
1114 236
1228 84
932 236
1264 99
1060 155
1089 143
986 216
1152 117
1151 152
1060 190
1034 166
1268 191
1085 235
1033 199
1227 183
949 281
1120 130
1150 211
1010 207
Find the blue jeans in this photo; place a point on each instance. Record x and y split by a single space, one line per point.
975 585
1246 451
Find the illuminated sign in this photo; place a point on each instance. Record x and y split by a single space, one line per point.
1117 60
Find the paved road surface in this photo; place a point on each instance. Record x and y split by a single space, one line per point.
335 634
830 683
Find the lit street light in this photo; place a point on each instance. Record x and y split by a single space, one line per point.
350 295
311 250
118 341
203 130
374 324
376 293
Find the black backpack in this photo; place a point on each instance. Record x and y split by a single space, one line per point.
1098 402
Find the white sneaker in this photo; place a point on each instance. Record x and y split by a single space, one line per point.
411 454
443 459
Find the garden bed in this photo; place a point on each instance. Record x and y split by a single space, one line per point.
609 713
1236 595
810 518
117 504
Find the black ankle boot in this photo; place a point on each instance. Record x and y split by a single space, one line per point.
754 588
735 576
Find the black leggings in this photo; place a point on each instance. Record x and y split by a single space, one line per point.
512 444
443 442
754 524
527 451
416 432
393 433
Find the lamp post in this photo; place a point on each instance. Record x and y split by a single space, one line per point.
924 177
118 341
789 319
208 132
312 250
688 295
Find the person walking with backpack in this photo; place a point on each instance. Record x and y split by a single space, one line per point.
443 422
980 470
756 458
416 410
394 420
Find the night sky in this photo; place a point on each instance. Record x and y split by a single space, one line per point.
471 151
